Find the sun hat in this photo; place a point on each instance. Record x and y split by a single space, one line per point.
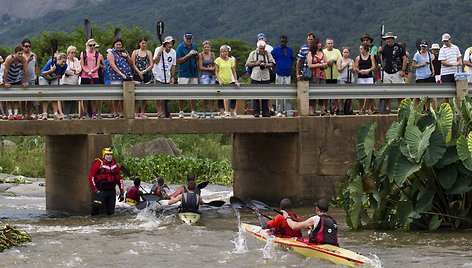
366 35
389 35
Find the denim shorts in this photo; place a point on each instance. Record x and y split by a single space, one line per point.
207 79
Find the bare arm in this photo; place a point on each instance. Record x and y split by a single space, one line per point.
298 225
174 200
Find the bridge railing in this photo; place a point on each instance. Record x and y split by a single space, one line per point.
302 92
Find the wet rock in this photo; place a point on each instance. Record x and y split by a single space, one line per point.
6 144
160 146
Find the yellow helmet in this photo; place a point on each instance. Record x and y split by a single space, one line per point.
107 150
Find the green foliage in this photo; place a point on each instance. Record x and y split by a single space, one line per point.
175 169
26 159
420 178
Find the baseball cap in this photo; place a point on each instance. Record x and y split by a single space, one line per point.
445 37
188 35
261 35
168 39
435 46
229 48
424 43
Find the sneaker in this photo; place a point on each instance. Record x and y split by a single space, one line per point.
204 115
44 116
18 117
4 117
56 116
227 114
181 114
86 116
11 117
212 115
94 116
33 117
75 116
279 114
194 114
235 115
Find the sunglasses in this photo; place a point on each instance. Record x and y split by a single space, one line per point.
27 46
91 45
72 52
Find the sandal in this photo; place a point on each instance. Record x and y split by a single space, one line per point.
143 116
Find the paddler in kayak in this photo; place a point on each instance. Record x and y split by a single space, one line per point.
183 189
278 224
158 188
190 200
133 194
323 228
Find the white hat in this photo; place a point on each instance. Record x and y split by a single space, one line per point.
261 43
168 39
445 37
435 46
389 35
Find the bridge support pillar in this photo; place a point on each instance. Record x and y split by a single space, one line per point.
68 161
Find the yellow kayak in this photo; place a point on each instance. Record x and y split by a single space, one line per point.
189 217
331 253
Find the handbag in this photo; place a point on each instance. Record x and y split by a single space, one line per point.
307 73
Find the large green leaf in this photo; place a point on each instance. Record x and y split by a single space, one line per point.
447 176
355 206
449 157
462 185
393 132
365 144
417 141
425 200
404 212
399 168
404 109
445 118
434 223
436 149
463 150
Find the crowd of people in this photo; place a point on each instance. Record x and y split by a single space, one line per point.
317 62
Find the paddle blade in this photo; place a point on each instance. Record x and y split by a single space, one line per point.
53 45
143 205
236 202
203 184
117 33
87 29
160 29
151 197
262 205
216 203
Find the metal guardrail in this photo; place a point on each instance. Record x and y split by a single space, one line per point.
202 92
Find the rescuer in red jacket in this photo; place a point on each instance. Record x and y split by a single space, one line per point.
104 176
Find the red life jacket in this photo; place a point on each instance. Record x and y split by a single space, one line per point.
107 174
133 193
326 232
287 231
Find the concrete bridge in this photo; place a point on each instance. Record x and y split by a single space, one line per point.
304 158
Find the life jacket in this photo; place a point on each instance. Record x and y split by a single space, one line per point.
189 202
287 231
133 193
131 201
326 232
107 175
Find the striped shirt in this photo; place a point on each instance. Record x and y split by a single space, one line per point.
449 54
303 52
15 72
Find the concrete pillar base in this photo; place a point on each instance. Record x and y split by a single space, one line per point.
68 161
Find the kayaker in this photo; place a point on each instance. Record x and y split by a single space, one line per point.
279 225
324 229
189 200
158 188
183 189
104 176
133 194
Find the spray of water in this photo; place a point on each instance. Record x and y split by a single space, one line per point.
240 246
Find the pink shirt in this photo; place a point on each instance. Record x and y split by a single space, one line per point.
90 63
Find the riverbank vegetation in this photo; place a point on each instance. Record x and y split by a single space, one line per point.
12 237
208 156
420 178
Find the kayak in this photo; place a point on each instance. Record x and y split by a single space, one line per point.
331 253
189 217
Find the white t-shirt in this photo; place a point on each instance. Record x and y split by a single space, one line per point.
468 58
449 54
158 70
316 220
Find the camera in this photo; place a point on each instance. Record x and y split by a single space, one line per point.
262 66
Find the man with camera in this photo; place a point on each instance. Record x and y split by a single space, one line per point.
260 61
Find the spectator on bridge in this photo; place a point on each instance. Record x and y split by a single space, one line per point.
283 56
142 63
187 56
103 178
206 65
316 60
15 73
332 55
468 63
395 66
436 63
260 61
225 70
71 77
301 62
2 104
345 67
365 65
164 71
451 60
51 74
424 69
90 63
367 39
32 67
119 71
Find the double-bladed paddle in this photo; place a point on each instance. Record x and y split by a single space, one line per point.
262 205
117 33
237 203
87 29
216 203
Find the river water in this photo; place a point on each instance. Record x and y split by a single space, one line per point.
156 238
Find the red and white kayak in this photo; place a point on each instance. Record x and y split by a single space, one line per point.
331 253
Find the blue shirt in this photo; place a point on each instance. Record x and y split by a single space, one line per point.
59 70
422 72
187 68
283 60
303 52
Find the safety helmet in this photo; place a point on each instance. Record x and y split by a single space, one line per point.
107 150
